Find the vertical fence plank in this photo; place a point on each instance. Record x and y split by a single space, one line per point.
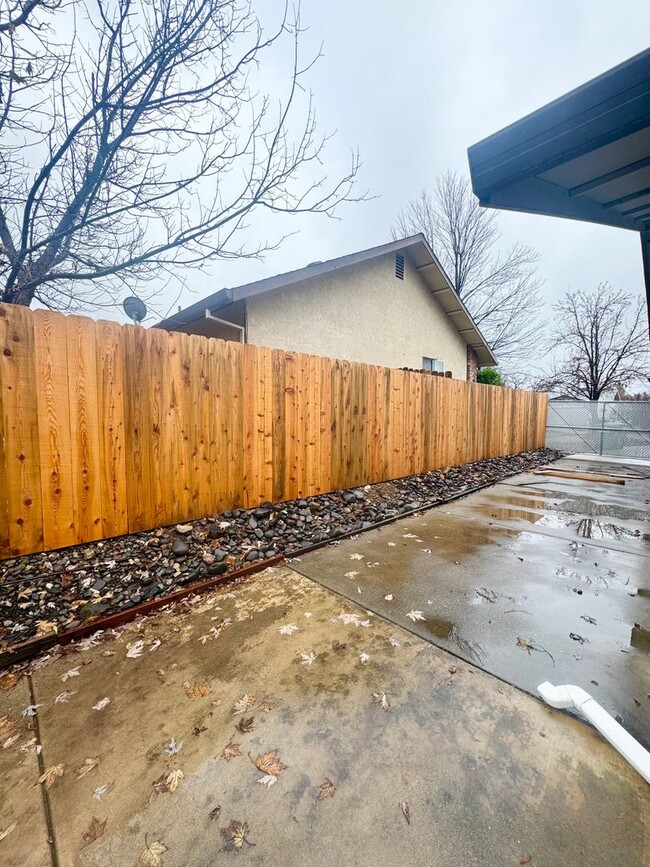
325 424
5 549
24 516
219 409
159 399
53 402
235 372
137 427
249 401
110 375
279 427
85 428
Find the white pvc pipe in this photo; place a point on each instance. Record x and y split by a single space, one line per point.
573 696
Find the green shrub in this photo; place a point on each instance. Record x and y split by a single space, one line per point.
489 376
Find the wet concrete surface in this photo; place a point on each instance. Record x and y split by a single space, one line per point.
137 722
22 816
537 578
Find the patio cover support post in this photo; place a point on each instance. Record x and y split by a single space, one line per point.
645 252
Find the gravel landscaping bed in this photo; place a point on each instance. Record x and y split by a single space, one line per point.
59 590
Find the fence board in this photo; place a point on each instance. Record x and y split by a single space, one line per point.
24 514
52 389
84 427
110 375
106 429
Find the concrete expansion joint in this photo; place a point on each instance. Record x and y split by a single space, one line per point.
47 806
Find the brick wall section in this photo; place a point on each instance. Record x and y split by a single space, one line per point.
472 365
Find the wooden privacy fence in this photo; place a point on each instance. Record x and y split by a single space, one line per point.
108 429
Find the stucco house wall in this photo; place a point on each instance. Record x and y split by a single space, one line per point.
359 313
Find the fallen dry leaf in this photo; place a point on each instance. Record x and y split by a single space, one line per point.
230 751
8 728
307 658
46 627
404 807
102 703
8 681
31 710
216 812
73 672
134 650
160 786
246 702
51 774
173 779
326 789
415 615
100 791
521 642
268 780
381 699
87 767
267 706
150 857
235 835
246 725
174 747
197 730
198 689
94 831
8 830
269 763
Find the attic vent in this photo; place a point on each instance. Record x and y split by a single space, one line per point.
399 266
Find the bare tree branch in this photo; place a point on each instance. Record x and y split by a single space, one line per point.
500 291
603 343
143 143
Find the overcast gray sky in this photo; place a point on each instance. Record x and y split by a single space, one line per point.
413 84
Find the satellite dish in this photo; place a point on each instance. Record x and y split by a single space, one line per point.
134 308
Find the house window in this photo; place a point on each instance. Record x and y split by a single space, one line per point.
433 364
399 266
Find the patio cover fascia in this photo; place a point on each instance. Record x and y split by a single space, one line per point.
585 156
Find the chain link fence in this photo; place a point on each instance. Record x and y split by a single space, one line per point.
614 427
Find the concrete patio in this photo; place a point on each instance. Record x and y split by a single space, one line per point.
146 749
538 558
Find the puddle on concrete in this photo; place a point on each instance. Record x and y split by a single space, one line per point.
640 638
439 627
446 630
591 528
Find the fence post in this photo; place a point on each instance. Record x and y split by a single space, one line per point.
602 430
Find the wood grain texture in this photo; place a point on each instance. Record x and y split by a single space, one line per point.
23 522
106 429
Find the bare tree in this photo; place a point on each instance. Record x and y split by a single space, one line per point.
500 291
603 342
138 136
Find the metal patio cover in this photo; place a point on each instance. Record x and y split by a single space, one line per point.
585 156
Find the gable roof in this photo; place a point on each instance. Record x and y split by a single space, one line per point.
420 254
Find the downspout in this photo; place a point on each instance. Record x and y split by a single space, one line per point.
569 696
